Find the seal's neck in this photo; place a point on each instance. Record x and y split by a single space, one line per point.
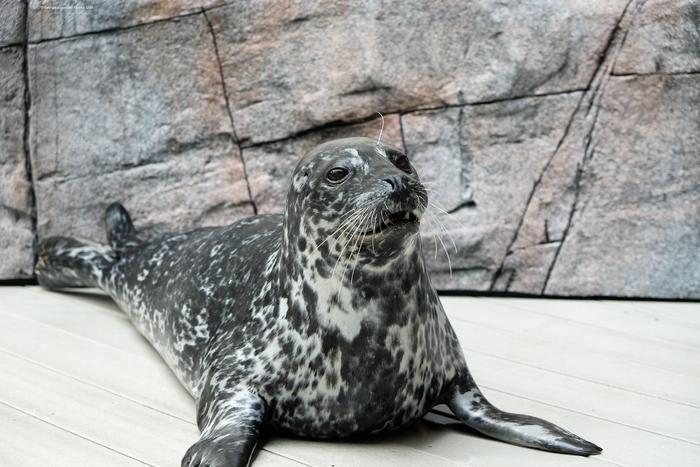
341 293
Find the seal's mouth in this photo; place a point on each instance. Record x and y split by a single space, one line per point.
392 222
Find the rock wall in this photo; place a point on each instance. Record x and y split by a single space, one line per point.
559 140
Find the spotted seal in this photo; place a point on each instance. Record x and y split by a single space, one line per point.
320 322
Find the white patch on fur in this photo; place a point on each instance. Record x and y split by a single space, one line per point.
534 431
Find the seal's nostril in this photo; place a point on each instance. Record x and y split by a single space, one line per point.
396 182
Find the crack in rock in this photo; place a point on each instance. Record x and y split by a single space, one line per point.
234 136
580 122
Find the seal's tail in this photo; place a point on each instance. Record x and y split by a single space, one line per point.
69 262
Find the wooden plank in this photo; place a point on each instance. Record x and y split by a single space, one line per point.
28 441
444 445
576 356
377 451
145 379
606 315
125 426
33 297
595 340
89 314
579 363
685 312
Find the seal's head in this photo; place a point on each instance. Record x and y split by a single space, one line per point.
356 196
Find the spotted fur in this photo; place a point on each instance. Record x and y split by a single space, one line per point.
298 322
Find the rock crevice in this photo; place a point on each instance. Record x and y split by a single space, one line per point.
234 135
25 135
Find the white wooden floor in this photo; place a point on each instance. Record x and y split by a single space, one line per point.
79 386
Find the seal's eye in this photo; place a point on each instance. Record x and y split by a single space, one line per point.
402 163
337 174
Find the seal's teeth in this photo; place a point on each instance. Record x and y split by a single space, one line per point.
407 216
387 222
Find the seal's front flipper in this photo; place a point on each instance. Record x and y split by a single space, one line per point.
230 422
471 407
120 230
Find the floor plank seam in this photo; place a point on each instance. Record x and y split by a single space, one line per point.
656 341
517 334
73 433
569 375
75 336
93 385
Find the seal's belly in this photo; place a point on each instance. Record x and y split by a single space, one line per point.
375 402
328 421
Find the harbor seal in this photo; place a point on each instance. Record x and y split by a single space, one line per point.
320 322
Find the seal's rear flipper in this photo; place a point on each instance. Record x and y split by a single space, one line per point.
68 262
472 408
121 233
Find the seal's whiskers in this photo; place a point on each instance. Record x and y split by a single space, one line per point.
430 227
356 236
442 226
349 218
359 239
349 238
379 140
439 237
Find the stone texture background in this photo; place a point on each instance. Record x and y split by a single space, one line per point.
560 139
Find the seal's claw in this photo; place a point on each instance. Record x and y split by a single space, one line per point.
216 452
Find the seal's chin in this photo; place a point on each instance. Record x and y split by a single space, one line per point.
398 223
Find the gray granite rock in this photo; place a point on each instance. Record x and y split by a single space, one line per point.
481 163
636 226
51 19
294 66
137 116
12 23
559 139
16 233
524 270
270 165
526 263
665 37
